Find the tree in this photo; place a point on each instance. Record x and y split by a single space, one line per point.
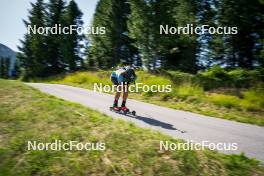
172 50
241 50
115 45
33 53
71 42
260 55
210 46
25 57
55 13
141 29
54 51
181 50
4 67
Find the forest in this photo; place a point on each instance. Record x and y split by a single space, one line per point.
132 36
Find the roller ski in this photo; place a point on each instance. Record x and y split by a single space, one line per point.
122 110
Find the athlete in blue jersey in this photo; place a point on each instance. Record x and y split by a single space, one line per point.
122 76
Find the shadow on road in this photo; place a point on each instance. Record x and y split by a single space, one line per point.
155 122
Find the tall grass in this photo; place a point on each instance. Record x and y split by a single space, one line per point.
188 92
224 100
150 79
253 99
187 89
183 86
87 79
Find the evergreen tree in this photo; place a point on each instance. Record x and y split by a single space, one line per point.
4 67
33 54
51 53
260 55
71 44
143 28
17 70
210 46
174 51
55 13
241 50
124 51
114 46
181 49
25 56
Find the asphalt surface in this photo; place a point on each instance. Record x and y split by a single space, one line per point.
178 124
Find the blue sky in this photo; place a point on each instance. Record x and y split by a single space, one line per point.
13 11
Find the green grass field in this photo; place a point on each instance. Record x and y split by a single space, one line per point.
242 105
27 114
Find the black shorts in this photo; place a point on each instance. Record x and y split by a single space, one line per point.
115 81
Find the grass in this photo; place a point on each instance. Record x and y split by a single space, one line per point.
253 99
27 114
225 100
247 106
187 90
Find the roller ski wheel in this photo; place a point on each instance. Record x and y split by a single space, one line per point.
133 113
126 111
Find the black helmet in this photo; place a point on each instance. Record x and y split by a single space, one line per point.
130 73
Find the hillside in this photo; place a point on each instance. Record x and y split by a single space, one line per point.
26 114
214 92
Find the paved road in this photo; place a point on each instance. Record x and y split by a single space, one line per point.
178 124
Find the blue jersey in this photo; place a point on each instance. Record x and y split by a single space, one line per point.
123 75
118 74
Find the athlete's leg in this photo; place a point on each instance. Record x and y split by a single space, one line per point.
118 92
125 95
117 95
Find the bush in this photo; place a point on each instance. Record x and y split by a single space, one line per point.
87 78
253 99
187 89
225 100
242 78
214 78
150 79
217 77
179 77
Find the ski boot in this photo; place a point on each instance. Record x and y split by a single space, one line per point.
124 109
115 108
